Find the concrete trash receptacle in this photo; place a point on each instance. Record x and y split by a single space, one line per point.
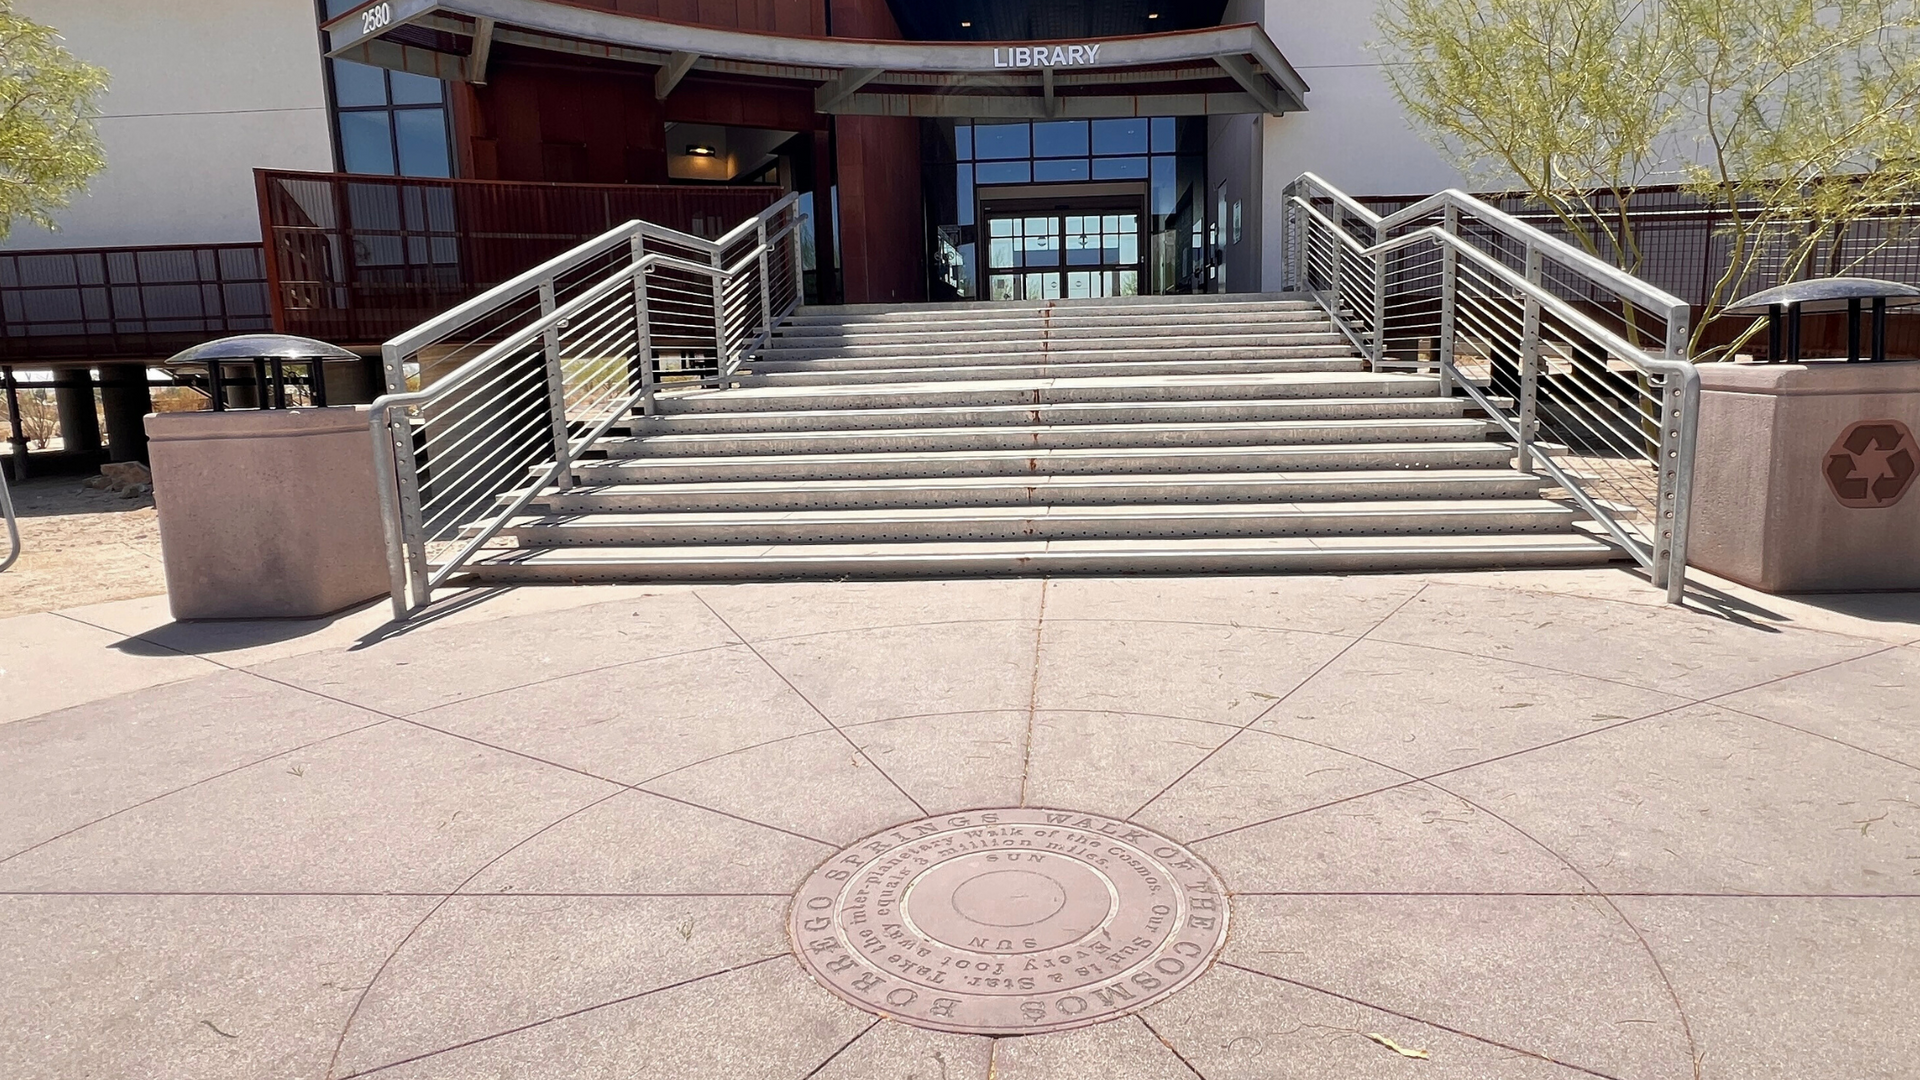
267 514
1805 477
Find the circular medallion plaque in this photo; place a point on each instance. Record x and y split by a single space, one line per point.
1003 922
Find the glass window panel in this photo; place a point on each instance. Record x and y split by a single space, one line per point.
1003 287
366 144
1129 248
1079 285
358 84
1000 141
1000 253
1163 197
1163 139
963 142
423 142
1127 136
1001 172
1062 138
1054 171
1043 286
1129 168
1129 283
411 89
963 192
1000 227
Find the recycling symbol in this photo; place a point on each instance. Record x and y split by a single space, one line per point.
1873 464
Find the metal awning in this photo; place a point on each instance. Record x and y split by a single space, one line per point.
1218 71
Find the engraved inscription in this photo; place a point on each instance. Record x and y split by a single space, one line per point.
1009 921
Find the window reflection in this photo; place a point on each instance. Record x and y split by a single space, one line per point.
390 122
1078 252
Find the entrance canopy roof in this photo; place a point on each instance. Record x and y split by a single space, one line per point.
1221 70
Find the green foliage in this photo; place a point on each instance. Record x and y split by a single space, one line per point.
1797 118
48 102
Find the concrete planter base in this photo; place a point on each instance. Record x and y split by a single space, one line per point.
1780 501
267 514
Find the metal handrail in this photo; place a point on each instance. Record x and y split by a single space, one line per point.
13 525
1664 551
611 316
1665 303
436 329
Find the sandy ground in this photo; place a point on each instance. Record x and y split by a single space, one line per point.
80 547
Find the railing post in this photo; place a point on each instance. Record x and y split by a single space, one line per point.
406 468
799 259
720 320
1449 293
766 283
1679 429
1379 297
642 326
1530 365
1339 266
556 385
386 486
1296 241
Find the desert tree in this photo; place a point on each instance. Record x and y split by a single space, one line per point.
49 100
1795 119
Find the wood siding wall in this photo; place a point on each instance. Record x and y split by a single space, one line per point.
542 117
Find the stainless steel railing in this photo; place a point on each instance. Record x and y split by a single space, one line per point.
491 404
13 525
1583 365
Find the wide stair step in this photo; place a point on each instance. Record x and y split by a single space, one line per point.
1092 329
956 349
1035 366
967 524
1051 414
1029 463
1142 434
1048 490
1253 555
1113 436
979 392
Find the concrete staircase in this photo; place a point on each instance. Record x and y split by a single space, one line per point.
1189 434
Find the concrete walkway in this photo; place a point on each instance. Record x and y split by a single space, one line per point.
1523 825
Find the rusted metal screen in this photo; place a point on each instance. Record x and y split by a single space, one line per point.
357 259
135 303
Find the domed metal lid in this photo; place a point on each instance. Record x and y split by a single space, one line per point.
1823 295
261 347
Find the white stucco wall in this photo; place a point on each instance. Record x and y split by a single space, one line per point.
204 91
1354 132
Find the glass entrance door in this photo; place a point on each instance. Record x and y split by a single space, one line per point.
1063 255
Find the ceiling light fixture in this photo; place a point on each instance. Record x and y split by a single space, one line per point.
1153 14
700 151
966 22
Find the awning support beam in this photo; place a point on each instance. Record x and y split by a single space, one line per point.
669 76
482 48
1250 81
832 95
